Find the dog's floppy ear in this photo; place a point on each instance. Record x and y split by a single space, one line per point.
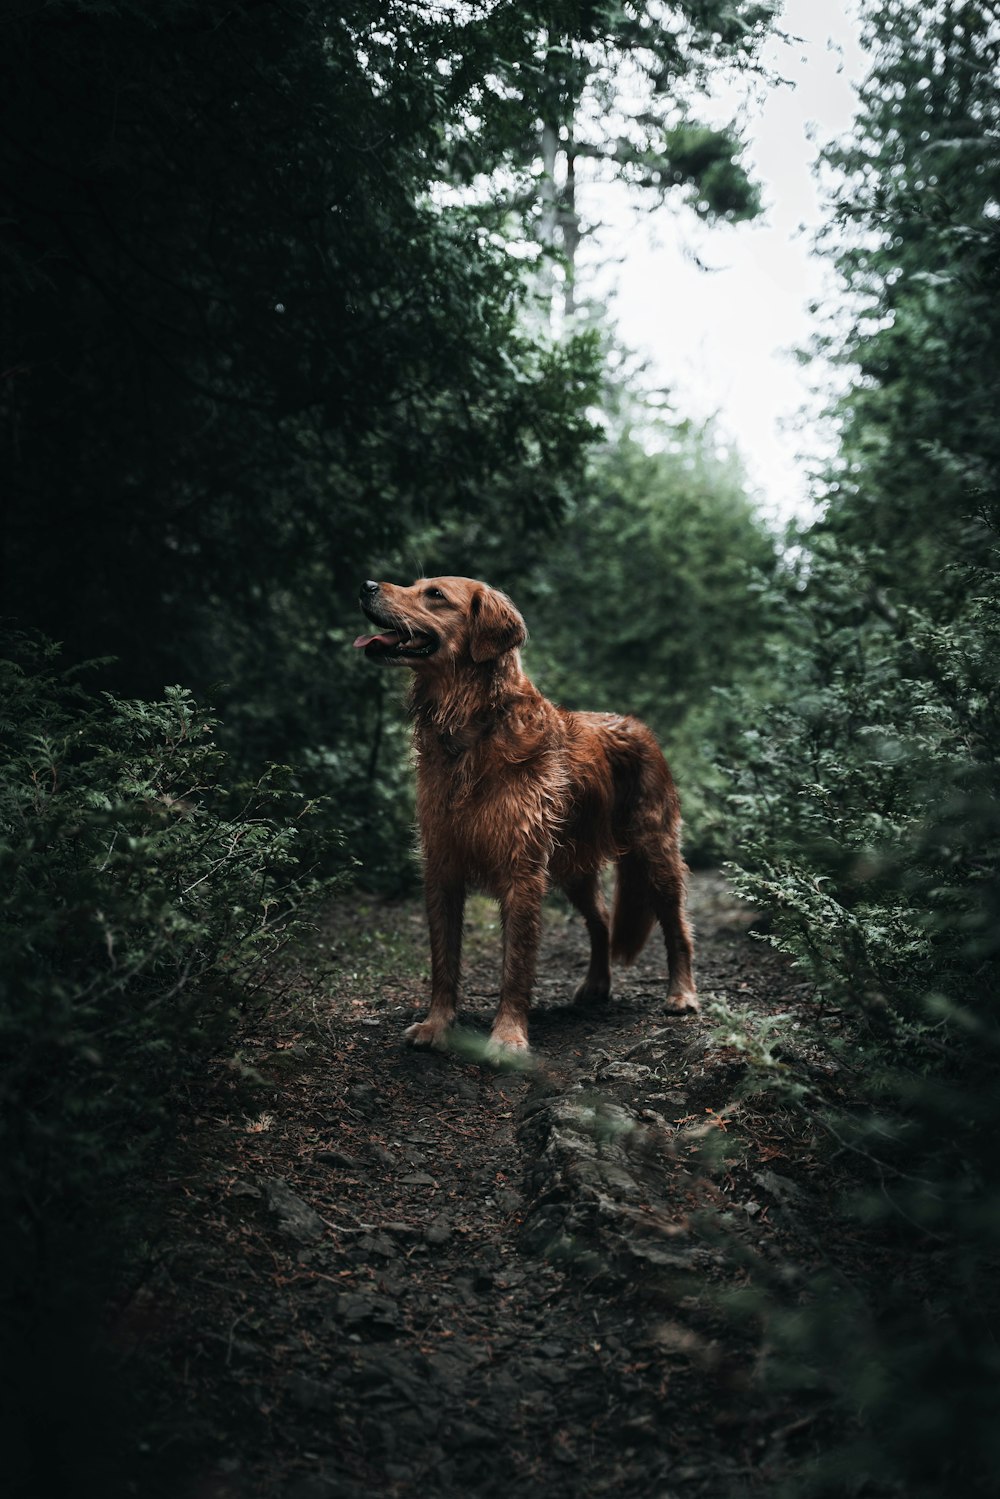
495 626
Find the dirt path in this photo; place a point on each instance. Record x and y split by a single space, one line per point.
405 1274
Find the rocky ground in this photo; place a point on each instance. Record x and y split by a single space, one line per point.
389 1272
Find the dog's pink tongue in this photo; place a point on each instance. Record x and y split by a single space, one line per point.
390 637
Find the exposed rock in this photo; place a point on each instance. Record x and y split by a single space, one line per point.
296 1217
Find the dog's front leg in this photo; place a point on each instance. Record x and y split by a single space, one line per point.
445 913
521 914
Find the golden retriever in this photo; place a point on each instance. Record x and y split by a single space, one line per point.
514 792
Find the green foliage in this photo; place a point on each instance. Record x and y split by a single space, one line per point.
651 600
863 798
866 812
866 797
658 559
142 897
706 159
272 353
275 349
917 246
620 84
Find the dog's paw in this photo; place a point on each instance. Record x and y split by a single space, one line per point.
683 1003
593 993
508 1046
428 1033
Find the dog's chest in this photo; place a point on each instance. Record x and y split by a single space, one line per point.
488 812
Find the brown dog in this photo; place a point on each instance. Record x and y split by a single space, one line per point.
513 792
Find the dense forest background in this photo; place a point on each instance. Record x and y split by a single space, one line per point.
264 335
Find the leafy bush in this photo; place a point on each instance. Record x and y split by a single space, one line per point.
142 898
866 803
866 812
873 773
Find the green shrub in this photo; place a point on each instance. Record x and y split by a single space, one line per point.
866 814
142 898
864 801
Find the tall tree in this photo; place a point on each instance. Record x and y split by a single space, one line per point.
239 329
599 93
917 243
237 332
867 812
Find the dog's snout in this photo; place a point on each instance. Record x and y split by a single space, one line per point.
368 589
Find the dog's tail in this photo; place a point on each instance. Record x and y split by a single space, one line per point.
633 916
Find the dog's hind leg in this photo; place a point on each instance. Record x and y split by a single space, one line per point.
585 892
651 887
445 913
667 892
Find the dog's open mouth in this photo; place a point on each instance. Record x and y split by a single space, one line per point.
397 643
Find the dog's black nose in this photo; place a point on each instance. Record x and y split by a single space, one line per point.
367 589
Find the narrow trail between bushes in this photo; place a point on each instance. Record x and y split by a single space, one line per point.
400 1273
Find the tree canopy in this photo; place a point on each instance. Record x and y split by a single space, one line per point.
916 236
239 333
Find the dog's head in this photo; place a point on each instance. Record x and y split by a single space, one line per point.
439 620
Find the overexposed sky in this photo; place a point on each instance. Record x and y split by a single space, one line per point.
722 339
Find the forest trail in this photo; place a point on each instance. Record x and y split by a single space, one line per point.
408 1274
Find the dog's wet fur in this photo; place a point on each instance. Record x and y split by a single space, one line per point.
514 793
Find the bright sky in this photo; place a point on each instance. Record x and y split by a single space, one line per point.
722 339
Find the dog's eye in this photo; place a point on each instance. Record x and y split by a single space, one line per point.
433 593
